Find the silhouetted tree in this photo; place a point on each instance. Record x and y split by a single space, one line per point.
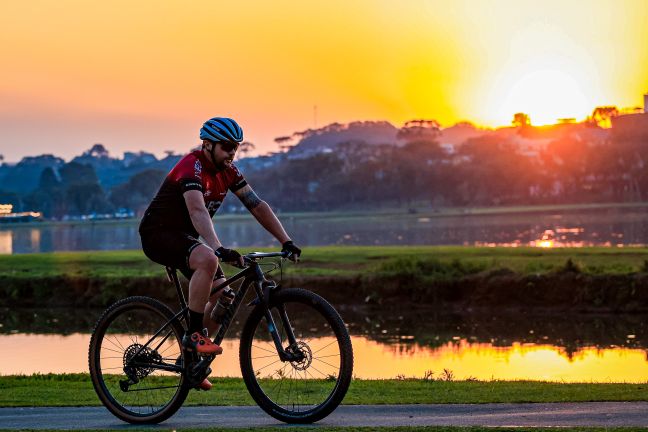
521 120
76 173
49 197
495 172
602 116
97 151
138 191
244 148
419 130
86 198
82 190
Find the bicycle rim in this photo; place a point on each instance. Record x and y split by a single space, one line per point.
124 360
310 388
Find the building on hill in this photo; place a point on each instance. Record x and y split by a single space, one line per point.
7 215
630 127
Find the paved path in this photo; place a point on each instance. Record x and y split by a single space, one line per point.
609 414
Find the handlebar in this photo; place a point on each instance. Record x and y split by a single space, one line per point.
253 256
257 255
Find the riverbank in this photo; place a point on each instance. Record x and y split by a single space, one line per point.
583 279
417 210
76 390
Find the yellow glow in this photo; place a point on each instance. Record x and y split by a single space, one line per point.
545 243
546 95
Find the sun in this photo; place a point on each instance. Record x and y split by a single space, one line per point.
546 95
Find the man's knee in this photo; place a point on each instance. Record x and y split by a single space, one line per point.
203 258
217 283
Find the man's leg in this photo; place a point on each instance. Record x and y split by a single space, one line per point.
203 263
208 323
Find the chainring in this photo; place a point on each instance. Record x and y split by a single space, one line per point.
145 356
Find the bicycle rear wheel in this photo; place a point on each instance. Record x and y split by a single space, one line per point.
309 389
126 358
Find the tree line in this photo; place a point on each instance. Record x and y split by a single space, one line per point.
581 164
489 170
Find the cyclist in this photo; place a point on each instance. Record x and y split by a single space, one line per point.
182 211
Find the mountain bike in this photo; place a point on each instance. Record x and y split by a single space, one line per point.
295 352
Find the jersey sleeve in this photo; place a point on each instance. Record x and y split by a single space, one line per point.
236 179
188 175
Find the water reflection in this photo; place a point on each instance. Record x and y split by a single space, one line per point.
609 227
460 359
409 341
6 242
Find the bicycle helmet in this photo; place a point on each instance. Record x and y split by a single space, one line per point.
221 129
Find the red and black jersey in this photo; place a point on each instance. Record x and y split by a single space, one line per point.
168 209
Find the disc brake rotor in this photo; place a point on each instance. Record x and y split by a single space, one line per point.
307 356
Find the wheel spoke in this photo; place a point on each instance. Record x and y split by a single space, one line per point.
263 349
269 364
326 346
322 361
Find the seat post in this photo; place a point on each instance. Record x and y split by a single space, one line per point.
172 275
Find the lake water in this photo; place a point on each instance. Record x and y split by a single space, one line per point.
410 341
610 227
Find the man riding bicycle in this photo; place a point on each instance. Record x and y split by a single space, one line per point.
182 211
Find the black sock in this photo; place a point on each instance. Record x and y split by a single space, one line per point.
195 321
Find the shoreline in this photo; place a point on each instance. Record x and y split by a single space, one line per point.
388 212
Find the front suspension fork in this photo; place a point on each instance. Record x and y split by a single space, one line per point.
284 355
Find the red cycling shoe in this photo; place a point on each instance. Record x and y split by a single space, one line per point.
201 344
204 385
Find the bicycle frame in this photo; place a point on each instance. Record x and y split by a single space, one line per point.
252 275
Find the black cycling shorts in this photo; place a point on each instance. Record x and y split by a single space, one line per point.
172 249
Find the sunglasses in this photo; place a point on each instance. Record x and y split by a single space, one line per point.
227 146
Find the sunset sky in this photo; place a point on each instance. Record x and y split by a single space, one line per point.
144 75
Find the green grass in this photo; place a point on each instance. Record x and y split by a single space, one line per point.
435 273
76 390
347 260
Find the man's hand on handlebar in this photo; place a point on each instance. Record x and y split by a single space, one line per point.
292 251
229 256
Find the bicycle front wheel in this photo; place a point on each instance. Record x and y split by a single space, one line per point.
134 351
312 386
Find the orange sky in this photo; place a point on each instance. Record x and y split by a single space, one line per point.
145 74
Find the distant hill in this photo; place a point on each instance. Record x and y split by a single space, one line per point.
112 171
23 177
329 137
460 133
